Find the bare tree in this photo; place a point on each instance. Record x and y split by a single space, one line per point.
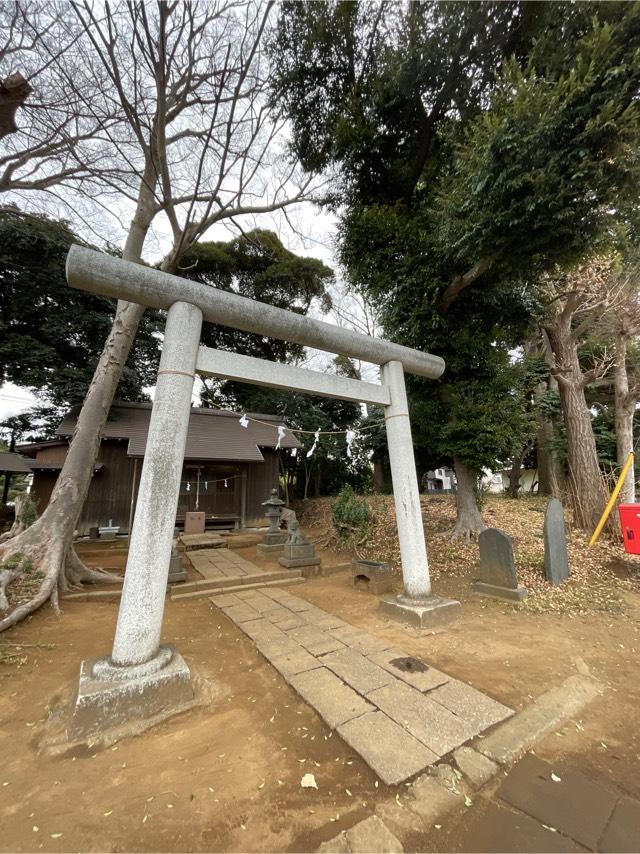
578 302
195 143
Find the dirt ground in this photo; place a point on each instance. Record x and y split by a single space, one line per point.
226 776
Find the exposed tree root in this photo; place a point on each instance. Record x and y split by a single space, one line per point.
44 557
466 528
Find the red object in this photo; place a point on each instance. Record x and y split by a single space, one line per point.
630 524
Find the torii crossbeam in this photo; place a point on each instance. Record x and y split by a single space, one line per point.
141 677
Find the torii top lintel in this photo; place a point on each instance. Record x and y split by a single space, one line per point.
98 273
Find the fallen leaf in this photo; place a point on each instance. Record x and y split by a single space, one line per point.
56 835
108 813
308 782
555 778
467 801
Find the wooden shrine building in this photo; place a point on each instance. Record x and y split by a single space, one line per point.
228 471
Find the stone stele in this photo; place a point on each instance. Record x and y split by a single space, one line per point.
497 567
556 557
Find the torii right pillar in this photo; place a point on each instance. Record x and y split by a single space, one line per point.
416 605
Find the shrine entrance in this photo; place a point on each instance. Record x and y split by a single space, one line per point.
137 657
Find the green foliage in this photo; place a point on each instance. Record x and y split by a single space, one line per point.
17 560
51 336
350 514
257 266
475 146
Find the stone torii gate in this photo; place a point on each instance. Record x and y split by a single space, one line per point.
141 677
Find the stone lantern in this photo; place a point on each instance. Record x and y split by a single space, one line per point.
272 544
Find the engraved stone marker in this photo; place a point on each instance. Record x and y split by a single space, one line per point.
497 567
556 557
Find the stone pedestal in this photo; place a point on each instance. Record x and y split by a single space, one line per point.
109 696
300 556
176 572
430 612
194 523
515 594
272 544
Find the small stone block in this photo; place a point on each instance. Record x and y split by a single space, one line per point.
576 806
433 725
274 538
623 831
393 754
368 644
103 704
378 577
409 669
498 829
431 799
372 834
334 701
356 670
309 566
292 663
512 594
475 767
241 613
226 599
471 705
431 613
269 551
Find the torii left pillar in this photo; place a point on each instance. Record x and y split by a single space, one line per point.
143 679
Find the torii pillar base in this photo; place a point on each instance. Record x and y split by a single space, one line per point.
430 612
109 697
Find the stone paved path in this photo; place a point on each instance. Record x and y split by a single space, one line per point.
397 712
533 811
214 564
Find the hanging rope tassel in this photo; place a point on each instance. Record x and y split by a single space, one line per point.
281 435
316 439
350 437
244 421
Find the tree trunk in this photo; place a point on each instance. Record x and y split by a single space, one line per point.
550 474
48 542
468 521
378 475
514 474
625 407
587 490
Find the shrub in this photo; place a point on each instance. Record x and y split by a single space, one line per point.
350 513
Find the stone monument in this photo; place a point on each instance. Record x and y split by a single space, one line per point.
556 557
497 567
299 553
377 577
273 541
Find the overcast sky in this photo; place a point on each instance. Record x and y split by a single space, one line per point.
306 229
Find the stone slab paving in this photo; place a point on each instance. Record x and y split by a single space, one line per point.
382 702
220 564
534 811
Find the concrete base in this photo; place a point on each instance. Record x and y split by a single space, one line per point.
103 703
269 551
429 613
516 594
307 566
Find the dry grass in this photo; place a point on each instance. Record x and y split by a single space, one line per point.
598 577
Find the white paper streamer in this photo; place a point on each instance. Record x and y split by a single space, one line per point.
244 421
294 452
225 483
350 437
316 439
281 435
